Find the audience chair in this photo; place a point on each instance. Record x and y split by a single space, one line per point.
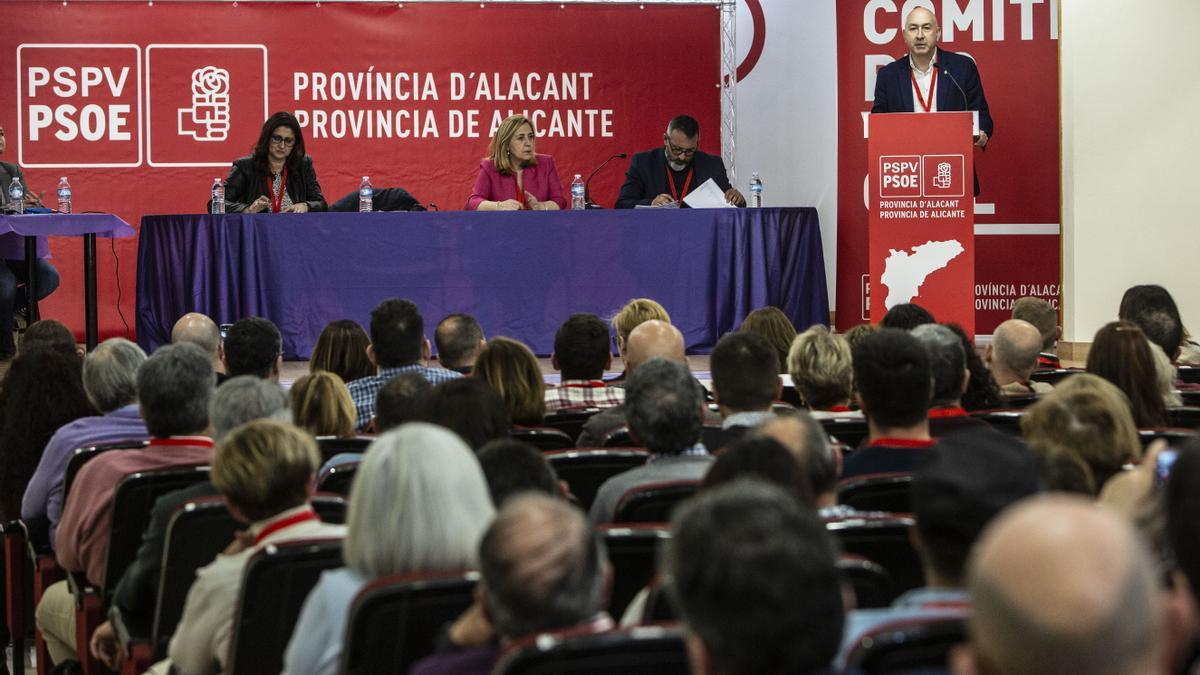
543 438
1004 421
18 590
619 438
1053 377
653 502
906 645
872 584
660 604
586 469
86 454
330 508
1189 374
397 620
1019 401
888 492
570 422
1174 437
885 540
331 446
851 431
277 580
1190 397
337 479
642 650
1186 417
633 553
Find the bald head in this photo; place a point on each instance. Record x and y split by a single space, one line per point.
653 338
1014 351
199 330
1061 586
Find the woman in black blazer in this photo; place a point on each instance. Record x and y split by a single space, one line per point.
278 176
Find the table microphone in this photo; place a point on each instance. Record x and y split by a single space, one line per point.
587 185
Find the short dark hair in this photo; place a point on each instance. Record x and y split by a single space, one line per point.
401 399
456 336
745 372
662 406
511 467
1144 297
252 346
470 408
755 576
685 124
174 387
892 376
581 347
947 361
761 458
906 316
397 333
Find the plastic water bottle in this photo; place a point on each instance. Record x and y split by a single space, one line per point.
755 190
218 196
365 195
578 203
64 195
16 195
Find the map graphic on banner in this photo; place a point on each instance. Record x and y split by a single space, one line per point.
904 274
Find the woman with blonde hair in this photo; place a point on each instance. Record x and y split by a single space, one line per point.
822 371
513 372
322 406
633 314
514 176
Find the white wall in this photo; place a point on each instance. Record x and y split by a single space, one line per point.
1130 103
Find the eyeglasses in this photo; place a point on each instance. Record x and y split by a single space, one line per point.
285 141
682 152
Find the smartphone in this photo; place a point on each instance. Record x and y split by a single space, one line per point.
1166 459
224 328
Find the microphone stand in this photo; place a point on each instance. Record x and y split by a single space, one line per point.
587 185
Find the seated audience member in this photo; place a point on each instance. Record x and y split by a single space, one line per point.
762 458
419 504
581 355
745 382
321 405
663 406
819 461
968 479
278 176
647 340
49 334
398 345
469 408
513 372
1122 355
253 346
773 325
401 400
458 337
1182 506
633 314
513 176
512 467
110 382
1151 308
543 570
203 332
893 383
1061 586
856 334
906 316
982 391
950 377
174 386
243 399
1088 417
822 372
1044 317
1013 356
265 472
664 176
754 575
341 349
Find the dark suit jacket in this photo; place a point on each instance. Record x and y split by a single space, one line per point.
647 177
247 182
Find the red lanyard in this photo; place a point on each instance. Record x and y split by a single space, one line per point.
590 384
687 182
277 200
940 413
932 85
285 523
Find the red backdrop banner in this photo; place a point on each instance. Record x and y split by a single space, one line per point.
1017 213
142 105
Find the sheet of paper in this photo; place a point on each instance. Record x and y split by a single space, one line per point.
707 196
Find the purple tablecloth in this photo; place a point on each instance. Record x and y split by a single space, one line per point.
521 274
14 229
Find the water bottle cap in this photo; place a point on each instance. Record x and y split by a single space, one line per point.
366 178
63 178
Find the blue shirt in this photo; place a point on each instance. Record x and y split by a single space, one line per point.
364 390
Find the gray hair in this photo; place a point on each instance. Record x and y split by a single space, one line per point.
174 386
110 374
662 405
947 360
244 398
419 502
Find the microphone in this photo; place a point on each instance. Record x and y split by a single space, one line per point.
587 185
966 104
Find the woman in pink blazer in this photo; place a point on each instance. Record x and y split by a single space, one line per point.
514 177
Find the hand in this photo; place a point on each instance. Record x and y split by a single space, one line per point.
242 540
533 204
508 205
1126 492
33 199
104 646
662 200
472 629
302 207
259 204
734 197
982 139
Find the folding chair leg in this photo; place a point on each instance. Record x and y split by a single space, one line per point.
89 614
47 573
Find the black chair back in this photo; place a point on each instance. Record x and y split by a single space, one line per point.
1189 374
653 503
633 553
1004 421
543 438
884 540
1054 376
1173 437
86 454
619 438
872 584
338 479
1190 397
644 650
395 621
330 508
585 470
851 431
277 580
1186 417
908 645
331 446
877 492
570 422
1019 401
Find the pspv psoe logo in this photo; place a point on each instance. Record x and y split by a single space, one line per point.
943 175
205 103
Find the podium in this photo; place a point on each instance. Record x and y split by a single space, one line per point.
921 232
